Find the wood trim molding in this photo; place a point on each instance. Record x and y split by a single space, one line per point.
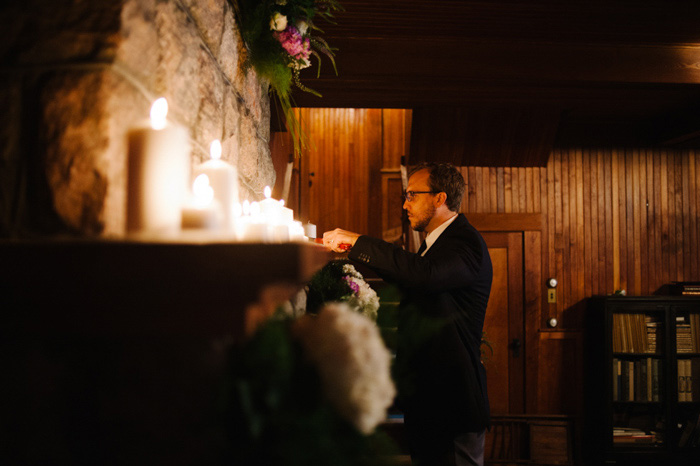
506 222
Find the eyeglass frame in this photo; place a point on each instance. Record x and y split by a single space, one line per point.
408 196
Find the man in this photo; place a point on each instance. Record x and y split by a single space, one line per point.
447 411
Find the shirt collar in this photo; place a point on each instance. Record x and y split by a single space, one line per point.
435 234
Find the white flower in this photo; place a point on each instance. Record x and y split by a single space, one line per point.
302 27
352 361
350 269
365 300
278 22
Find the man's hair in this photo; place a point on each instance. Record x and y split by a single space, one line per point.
444 177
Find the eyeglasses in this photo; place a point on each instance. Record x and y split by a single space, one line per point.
409 195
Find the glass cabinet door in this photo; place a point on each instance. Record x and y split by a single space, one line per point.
638 379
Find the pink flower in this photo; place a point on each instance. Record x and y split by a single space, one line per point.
351 283
293 43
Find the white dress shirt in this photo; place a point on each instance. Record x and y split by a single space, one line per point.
435 234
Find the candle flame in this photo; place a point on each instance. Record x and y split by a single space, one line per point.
282 202
268 192
246 207
159 111
215 149
203 193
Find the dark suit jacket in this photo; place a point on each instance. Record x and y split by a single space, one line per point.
451 282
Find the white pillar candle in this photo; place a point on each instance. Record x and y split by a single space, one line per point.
271 208
310 230
255 227
286 214
202 211
223 178
158 172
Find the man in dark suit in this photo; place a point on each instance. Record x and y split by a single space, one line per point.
447 411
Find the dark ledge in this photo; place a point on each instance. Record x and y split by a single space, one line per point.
115 353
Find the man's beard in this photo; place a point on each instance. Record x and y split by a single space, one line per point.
424 220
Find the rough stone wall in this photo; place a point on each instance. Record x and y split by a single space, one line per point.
76 75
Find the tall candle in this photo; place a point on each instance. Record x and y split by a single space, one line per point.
158 172
223 178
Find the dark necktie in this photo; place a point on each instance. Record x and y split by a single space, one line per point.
421 248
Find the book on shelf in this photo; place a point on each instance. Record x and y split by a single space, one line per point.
689 379
684 336
685 288
632 435
637 333
636 380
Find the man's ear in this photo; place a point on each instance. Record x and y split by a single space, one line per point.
441 198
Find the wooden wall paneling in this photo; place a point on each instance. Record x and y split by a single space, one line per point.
500 195
471 187
671 219
663 214
544 200
522 189
534 289
580 241
587 199
375 130
639 178
680 216
493 186
685 196
652 218
595 224
693 200
643 231
629 238
481 189
607 208
508 187
560 368
550 232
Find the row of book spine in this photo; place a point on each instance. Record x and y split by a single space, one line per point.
638 380
689 379
688 333
636 333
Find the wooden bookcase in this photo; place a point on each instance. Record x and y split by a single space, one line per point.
643 380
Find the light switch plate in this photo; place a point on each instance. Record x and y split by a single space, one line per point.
551 295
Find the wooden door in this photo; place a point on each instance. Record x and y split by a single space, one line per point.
504 324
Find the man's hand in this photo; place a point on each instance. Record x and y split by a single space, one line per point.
340 240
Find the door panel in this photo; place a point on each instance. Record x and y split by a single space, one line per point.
503 326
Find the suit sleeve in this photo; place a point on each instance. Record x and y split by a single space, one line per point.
442 271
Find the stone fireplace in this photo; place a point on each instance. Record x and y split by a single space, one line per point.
77 74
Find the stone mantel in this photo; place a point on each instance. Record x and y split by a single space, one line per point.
144 288
115 352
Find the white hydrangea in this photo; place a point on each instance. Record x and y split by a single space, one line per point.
349 269
365 299
353 363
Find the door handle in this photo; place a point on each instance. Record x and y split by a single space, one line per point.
516 347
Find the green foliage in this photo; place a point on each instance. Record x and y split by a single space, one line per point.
269 58
327 285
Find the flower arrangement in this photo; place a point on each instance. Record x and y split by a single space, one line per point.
281 36
340 281
310 390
